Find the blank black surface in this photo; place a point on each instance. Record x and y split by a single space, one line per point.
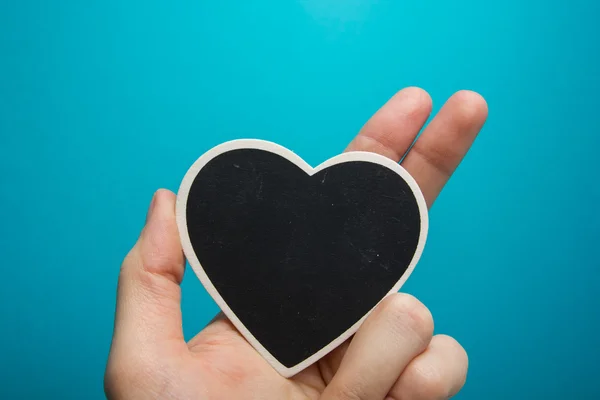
300 259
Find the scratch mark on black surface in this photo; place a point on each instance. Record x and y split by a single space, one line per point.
352 244
364 256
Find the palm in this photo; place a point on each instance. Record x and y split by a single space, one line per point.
231 367
149 358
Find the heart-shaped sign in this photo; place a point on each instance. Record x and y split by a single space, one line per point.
297 257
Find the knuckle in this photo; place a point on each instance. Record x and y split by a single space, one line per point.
131 259
158 257
408 311
438 156
157 260
125 376
110 377
120 376
128 370
148 266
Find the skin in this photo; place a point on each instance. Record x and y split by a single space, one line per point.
393 356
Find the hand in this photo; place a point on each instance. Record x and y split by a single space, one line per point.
394 354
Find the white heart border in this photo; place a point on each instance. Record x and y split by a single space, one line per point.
182 197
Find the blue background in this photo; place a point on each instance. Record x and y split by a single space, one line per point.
101 103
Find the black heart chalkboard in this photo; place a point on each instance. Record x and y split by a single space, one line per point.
297 257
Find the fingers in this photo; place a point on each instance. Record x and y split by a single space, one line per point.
441 147
392 130
434 156
439 373
444 143
148 300
396 332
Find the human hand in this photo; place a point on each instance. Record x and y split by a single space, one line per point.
394 354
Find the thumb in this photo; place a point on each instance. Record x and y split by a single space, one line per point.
149 295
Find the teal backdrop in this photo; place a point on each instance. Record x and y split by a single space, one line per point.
103 102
